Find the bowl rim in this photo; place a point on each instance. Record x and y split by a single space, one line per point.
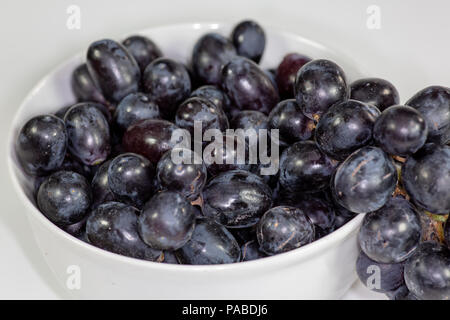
293 256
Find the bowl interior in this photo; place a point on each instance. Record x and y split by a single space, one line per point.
176 41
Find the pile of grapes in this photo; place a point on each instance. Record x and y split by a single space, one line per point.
104 170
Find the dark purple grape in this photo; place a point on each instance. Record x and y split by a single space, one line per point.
320 84
304 168
427 272
134 108
365 181
113 69
379 277
318 210
88 132
287 71
282 229
210 243
434 105
400 130
142 49
101 192
236 199
72 164
346 127
167 83
292 124
271 73
374 91
78 229
248 87
392 233
188 178
41 145
426 177
249 119
249 40
167 221
130 178
215 95
250 251
200 110
83 86
61 113
226 158
210 54
64 197
113 226
150 138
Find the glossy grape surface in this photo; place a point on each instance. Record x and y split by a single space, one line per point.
304 168
210 243
346 127
236 198
215 95
203 111
400 130
249 40
320 84
377 92
150 138
427 272
83 86
113 227
130 178
251 120
88 133
186 178
426 177
365 181
101 192
392 233
282 229
390 275
226 158
167 221
292 124
434 104
113 69
64 197
134 108
210 54
287 72
167 84
41 145
249 87
318 210
143 50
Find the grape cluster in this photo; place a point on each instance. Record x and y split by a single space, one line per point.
105 173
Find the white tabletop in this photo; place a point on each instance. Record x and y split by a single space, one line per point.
411 49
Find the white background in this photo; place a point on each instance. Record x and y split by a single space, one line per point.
412 49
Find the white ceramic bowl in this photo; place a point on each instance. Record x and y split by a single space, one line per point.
321 270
